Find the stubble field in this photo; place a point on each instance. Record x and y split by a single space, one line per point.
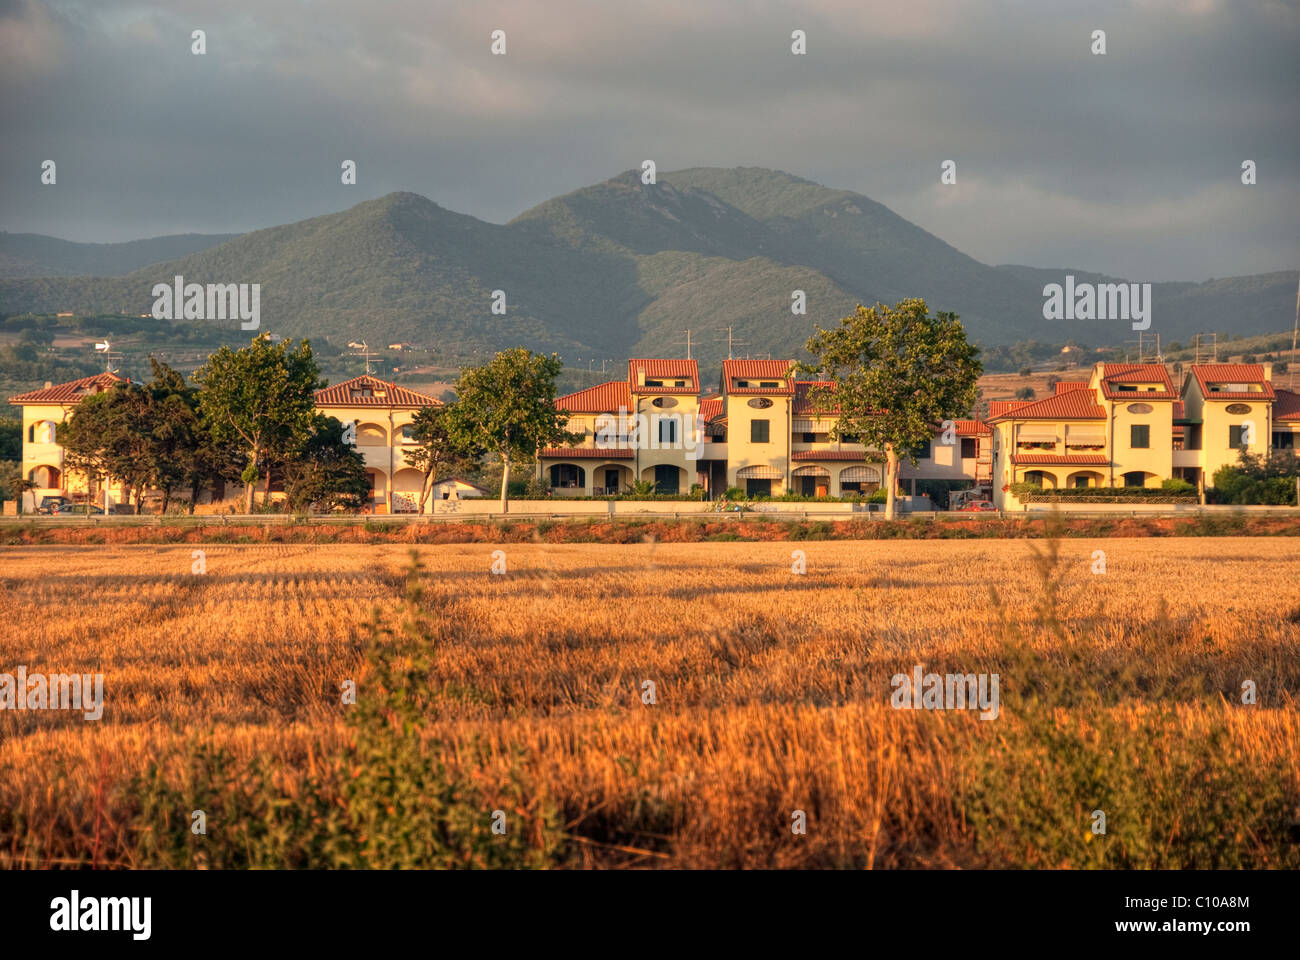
656 704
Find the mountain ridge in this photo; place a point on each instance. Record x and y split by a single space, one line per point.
621 268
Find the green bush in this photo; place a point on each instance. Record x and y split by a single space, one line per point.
1178 486
1258 480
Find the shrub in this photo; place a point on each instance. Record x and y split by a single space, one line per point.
1178 486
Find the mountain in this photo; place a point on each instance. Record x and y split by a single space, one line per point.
622 268
34 255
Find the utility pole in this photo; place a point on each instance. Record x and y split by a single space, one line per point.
1295 331
688 344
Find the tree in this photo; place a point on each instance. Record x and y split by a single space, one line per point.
896 373
508 406
108 436
1025 393
262 398
183 448
326 472
439 450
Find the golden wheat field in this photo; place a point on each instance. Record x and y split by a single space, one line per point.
771 695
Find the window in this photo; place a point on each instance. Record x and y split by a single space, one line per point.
1237 436
666 478
667 430
759 431
848 438
923 451
808 438
968 448
768 384
1080 482
1139 436
758 488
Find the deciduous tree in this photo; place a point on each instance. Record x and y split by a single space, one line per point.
896 374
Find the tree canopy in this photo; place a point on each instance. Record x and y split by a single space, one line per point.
896 373
508 406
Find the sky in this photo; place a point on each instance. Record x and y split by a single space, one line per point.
1127 163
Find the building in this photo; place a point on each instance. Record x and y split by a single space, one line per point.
382 414
44 412
1127 426
759 433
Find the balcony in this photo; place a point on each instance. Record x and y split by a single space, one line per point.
1187 458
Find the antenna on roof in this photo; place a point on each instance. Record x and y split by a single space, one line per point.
688 344
732 342
363 351
106 348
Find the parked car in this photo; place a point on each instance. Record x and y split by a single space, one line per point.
76 509
977 506
50 504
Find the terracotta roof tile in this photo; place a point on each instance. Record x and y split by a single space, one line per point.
1210 373
779 370
602 398
827 455
1138 373
667 369
1071 405
1065 386
587 453
803 404
1287 406
999 407
70 392
1066 459
393 395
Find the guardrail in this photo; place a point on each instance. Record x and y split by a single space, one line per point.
811 513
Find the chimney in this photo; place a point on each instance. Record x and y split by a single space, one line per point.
1268 370
48 384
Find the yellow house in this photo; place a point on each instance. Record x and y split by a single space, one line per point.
648 428
381 413
758 398
1229 406
1126 426
44 412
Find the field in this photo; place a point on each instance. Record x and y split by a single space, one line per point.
656 704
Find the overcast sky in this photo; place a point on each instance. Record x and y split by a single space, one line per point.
1127 163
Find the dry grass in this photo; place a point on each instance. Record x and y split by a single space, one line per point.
772 692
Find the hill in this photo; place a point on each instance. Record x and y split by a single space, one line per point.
34 255
623 268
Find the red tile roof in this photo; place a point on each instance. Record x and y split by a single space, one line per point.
1287 406
70 392
1064 386
1208 373
971 428
587 453
1138 373
711 407
999 407
668 369
1066 459
1071 405
602 398
827 455
803 405
779 370
341 394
